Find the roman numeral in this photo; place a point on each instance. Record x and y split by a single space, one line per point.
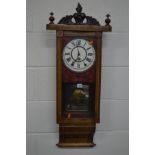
85 64
90 54
78 42
89 60
72 64
67 53
84 44
69 48
88 48
78 65
73 43
68 59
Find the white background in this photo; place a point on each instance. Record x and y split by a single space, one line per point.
13 78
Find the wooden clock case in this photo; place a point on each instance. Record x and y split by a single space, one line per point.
76 129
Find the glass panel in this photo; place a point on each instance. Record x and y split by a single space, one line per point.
76 97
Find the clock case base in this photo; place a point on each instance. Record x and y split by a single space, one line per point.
76 136
61 144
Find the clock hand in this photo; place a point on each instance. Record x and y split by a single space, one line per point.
78 55
78 52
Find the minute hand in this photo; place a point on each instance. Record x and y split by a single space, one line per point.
78 55
78 52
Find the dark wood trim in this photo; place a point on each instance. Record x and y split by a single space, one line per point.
78 121
75 145
76 136
79 34
87 28
98 77
59 75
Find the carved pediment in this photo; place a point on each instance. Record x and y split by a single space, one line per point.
78 18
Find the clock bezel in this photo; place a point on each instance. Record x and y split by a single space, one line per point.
74 70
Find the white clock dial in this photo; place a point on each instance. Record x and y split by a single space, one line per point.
78 55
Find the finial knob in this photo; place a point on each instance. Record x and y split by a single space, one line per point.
107 20
79 8
79 16
51 18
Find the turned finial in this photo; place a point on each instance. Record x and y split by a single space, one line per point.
51 18
79 8
107 20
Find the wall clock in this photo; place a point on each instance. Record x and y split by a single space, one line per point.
79 53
